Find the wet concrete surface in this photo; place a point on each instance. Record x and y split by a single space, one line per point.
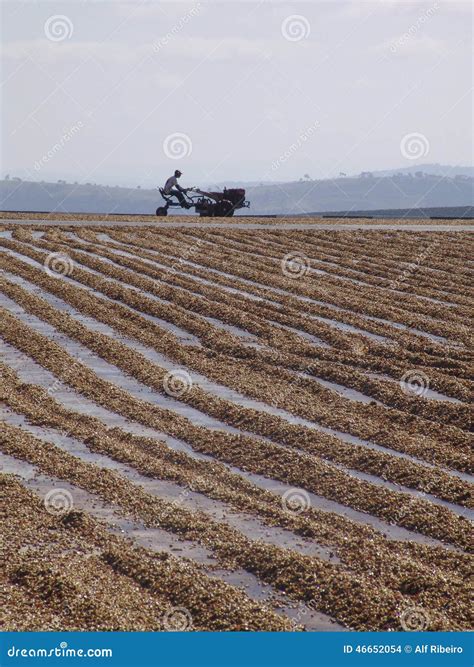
208 385
391 531
332 322
185 337
159 540
200 380
29 371
427 392
154 538
181 496
226 427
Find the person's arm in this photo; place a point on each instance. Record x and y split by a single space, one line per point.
180 188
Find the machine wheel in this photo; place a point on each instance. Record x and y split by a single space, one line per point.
161 210
224 209
209 211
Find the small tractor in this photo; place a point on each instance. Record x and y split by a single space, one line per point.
209 204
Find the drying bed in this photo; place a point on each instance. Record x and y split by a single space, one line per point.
235 430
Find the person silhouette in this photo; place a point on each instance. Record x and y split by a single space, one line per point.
173 188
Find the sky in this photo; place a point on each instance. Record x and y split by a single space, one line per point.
122 92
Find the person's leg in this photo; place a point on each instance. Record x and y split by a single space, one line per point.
179 195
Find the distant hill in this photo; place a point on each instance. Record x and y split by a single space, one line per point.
433 169
369 192
363 193
76 198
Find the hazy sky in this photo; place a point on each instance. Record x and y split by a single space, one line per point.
126 92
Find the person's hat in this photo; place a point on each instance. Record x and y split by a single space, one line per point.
177 173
